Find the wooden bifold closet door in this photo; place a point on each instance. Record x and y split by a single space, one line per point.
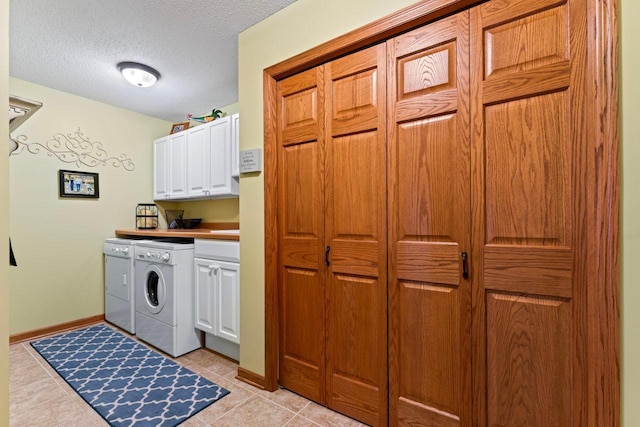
429 226
432 223
332 240
529 192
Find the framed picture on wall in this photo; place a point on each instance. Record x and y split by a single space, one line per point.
78 184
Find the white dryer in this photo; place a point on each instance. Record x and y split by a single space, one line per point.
119 286
165 296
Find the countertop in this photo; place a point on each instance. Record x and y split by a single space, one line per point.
202 232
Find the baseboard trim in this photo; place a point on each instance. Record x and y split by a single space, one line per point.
37 333
251 378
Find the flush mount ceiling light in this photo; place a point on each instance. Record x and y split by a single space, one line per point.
138 74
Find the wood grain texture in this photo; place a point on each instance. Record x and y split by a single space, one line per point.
529 371
593 118
528 194
533 270
356 223
603 299
271 263
429 207
380 30
429 262
528 43
301 287
528 173
301 341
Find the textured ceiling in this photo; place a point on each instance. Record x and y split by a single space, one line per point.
74 46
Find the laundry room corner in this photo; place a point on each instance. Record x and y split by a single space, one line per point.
58 240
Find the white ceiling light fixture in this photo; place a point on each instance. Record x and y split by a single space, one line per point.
139 74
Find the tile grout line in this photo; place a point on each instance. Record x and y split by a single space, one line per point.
235 407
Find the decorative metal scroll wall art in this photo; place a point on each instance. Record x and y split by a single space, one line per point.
75 148
20 109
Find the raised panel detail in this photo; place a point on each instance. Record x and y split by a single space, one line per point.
301 190
428 71
429 372
528 179
355 169
429 262
527 43
541 270
299 109
302 352
425 173
354 302
355 93
529 361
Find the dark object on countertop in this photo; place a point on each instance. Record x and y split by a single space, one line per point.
174 217
189 222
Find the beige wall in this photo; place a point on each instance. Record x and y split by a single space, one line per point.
58 242
630 295
4 216
301 26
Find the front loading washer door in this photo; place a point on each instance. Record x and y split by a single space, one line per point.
155 290
155 296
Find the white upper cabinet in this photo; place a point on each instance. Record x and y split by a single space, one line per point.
161 168
197 163
178 165
170 167
198 160
219 169
235 145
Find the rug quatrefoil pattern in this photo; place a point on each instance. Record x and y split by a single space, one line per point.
124 381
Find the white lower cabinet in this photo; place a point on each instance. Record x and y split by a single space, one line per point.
217 284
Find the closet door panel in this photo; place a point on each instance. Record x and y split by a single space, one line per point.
301 234
356 234
528 170
429 225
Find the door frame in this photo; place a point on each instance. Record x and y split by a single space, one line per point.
602 323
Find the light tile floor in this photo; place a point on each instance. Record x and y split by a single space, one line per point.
40 397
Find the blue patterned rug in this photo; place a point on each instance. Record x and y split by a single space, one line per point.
124 381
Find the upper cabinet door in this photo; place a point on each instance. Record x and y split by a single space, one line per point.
178 165
161 168
220 157
235 145
198 154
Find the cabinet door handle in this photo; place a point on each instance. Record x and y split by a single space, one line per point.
326 256
465 265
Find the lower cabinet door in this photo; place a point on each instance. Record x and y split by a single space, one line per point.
204 302
227 301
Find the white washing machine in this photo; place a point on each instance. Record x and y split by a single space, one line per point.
119 283
165 296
